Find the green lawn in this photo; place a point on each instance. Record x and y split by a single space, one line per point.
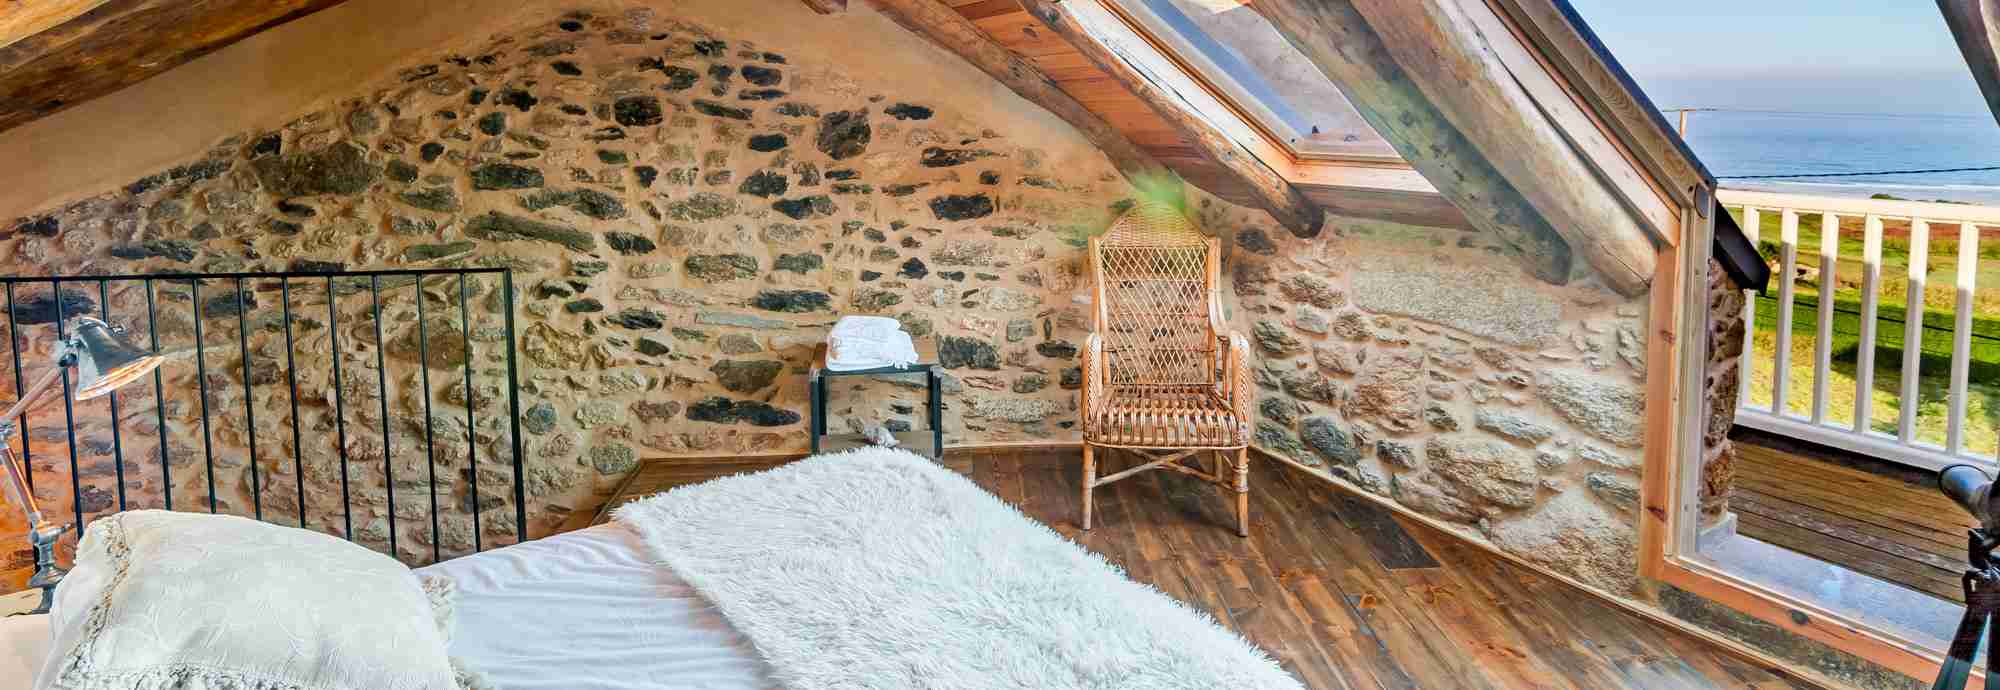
1983 400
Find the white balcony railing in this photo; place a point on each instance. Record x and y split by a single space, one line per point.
1844 310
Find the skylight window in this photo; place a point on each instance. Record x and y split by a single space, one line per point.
1237 51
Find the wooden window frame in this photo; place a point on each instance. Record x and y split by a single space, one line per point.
1669 482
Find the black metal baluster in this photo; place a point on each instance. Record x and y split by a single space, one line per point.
159 399
382 396
14 340
339 409
430 439
201 381
249 397
514 410
117 443
292 381
471 434
69 416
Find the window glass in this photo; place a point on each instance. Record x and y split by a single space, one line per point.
1241 53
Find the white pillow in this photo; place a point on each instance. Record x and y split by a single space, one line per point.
162 600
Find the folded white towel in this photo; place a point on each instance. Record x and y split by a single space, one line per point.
868 342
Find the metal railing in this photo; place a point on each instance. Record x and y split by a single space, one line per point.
40 317
1832 318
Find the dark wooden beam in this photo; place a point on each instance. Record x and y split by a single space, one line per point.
1272 191
954 33
1975 24
827 6
118 43
1420 72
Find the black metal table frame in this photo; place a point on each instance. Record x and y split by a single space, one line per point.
934 408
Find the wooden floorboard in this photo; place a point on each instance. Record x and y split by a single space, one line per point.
1347 596
1877 525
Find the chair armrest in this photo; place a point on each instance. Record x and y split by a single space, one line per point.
1093 381
1239 381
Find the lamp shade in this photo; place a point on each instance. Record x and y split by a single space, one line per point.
105 360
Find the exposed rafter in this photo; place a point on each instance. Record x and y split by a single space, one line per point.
1271 190
20 20
946 28
1422 75
56 56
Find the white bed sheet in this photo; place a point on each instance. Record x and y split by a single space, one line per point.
24 643
587 610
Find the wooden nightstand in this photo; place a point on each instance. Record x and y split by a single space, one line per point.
926 444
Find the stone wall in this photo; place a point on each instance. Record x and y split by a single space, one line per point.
1424 365
685 212
1722 376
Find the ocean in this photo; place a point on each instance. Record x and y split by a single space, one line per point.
1763 143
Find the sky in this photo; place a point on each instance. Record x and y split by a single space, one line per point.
1872 56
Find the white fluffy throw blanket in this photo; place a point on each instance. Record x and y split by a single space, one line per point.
876 568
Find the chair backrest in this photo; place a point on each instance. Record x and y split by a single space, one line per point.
1156 301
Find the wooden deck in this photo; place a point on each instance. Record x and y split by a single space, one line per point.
1883 522
1343 593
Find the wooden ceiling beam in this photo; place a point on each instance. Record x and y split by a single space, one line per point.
1267 187
23 18
116 43
1423 76
954 33
1350 55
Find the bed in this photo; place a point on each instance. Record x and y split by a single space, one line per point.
602 618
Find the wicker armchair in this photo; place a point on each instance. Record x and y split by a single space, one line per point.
1161 376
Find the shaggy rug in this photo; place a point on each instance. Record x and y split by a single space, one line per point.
876 568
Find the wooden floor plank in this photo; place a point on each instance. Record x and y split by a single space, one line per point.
1314 585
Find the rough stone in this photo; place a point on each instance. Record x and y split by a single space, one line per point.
1461 296
1618 491
638 319
1274 340
716 268
1304 287
499 176
746 376
612 458
720 410
1440 417
1396 453
962 206
955 352
1574 535
340 168
1390 392
1610 410
844 134
1489 471
1010 409
792 301
701 206
1329 441
637 111
1512 427
500 227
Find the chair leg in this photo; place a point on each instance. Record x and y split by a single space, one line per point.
1243 492
1089 478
